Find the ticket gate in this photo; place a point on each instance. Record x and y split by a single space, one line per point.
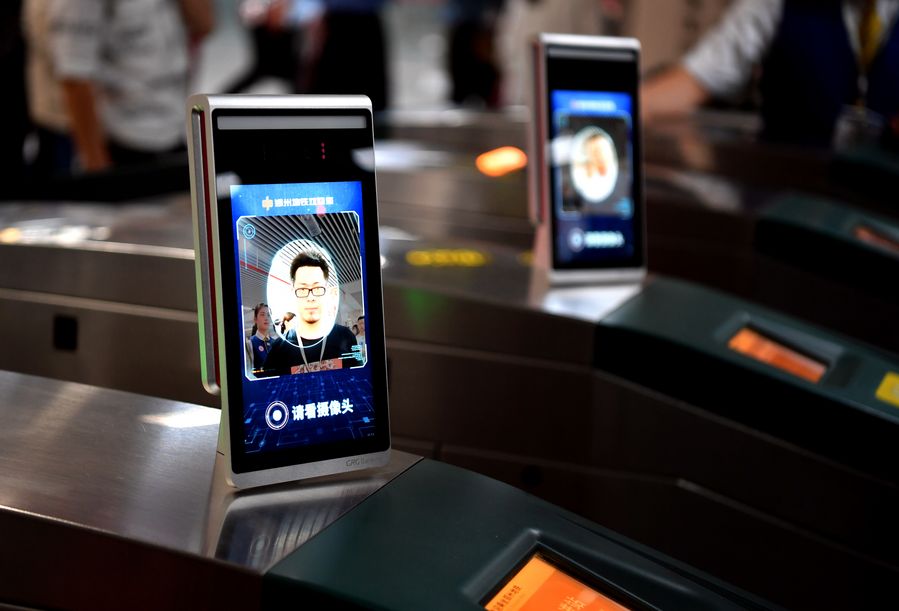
492 372
873 172
553 392
460 310
703 225
128 507
109 293
831 263
457 129
816 259
832 402
709 187
726 144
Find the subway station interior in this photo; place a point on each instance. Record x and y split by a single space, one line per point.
714 427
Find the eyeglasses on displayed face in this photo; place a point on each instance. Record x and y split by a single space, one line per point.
316 291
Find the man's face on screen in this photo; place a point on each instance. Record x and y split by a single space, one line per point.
310 280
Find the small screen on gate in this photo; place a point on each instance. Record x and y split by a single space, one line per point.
302 294
753 344
540 585
593 155
303 320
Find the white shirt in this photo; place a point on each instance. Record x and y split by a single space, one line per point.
44 95
723 60
134 50
519 23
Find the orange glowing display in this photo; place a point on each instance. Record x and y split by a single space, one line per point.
871 236
501 161
755 345
539 586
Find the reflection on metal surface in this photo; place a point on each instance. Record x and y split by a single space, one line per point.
90 484
423 309
459 130
434 119
501 161
224 182
183 420
96 305
447 257
259 528
10 235
707 190
162 222
395 155
364 158
588 303
95 463
52 231
395 234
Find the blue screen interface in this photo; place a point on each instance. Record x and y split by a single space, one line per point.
299 251
592 161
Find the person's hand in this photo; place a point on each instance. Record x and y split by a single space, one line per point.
277 15
672 93
95 161
87 131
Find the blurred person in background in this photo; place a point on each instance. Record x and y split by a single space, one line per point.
347 51
274 43
519 24
13 108
277 31
108 78
472 54
829 69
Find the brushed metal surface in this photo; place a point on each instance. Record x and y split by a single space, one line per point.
153 351
157 221
153 276
142 469
135 304
107 460
110 500
257 528
459 129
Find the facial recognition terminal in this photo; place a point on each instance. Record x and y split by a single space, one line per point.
585 176
289 282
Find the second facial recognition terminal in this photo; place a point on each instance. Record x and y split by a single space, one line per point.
586 183
290 278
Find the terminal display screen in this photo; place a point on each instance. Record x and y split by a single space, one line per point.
594 157
306 370
878 239
540 585
753 344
